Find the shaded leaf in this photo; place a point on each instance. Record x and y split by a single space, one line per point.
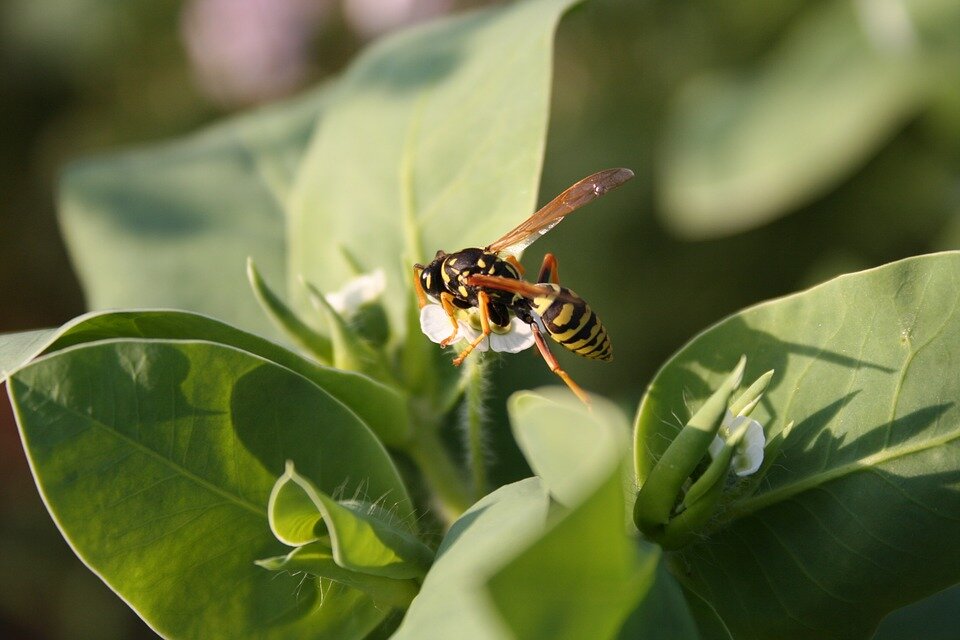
744 150
434 140
858 514
317 344
173 225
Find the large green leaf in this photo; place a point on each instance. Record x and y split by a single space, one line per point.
860 512
156 460
434 140
453 602
598 574
571 447
518 565
172 226
382 408
743 150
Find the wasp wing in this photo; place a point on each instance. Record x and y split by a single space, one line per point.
581 193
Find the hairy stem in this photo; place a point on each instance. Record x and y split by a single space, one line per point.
473 423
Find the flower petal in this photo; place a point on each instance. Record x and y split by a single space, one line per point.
749 455
358 291
436 325
716 446
517 338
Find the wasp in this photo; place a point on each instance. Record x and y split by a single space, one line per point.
490 279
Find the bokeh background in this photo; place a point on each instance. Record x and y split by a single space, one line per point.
777 143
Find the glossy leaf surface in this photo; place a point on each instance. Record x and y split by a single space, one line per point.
157 458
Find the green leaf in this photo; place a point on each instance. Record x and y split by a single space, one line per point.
18 348
744 150
572 448
316 559
382 408
173 225
858 514
596 576
434 140
156 460
453 602
363 537
598 573
315 343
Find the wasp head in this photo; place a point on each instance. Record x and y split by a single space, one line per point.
430 278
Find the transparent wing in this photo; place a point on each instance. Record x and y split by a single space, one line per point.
583 192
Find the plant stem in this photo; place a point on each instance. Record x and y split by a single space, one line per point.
441 474
473 422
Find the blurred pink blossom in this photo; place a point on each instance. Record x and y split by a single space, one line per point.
373 17
247 51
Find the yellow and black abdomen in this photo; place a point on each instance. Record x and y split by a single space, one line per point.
571 322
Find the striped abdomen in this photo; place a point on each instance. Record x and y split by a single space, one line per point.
572 323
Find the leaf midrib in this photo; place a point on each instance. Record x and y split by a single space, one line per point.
239 501
750 505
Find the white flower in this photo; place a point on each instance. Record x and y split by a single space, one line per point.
749 453
357 292
436 325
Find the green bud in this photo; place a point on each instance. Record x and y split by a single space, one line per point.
315 343
743 405
350 351
660 493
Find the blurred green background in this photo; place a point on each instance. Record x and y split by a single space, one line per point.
777 143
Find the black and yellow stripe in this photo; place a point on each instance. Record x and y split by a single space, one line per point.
570 321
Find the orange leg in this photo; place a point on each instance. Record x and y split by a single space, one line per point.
549 271
446 301
551 361
512 259
418 286
482 301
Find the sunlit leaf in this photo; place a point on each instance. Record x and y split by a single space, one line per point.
382 408
17 348
453 602
156 460
363 536
571 447
316 559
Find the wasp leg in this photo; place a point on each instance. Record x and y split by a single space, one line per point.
418 286
446 301
482 301
549 271
551 361
512 259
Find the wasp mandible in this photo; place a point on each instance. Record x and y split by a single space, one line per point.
489 279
